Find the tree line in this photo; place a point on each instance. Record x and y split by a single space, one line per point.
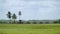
14 17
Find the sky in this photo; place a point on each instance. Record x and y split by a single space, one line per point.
31 9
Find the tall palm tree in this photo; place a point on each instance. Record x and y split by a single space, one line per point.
9 15
19 14
14 17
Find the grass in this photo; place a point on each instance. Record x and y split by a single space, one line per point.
29 28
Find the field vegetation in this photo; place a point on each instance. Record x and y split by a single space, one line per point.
29 28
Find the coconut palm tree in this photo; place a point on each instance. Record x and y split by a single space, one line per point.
9 16
19 14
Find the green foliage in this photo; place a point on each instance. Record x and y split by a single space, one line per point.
34 23
9 14
59 21
2 22
55 22
28 22
14 16
47 22
19 12
41 22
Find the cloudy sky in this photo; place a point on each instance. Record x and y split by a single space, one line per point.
31 9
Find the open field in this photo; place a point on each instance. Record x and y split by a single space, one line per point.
29 28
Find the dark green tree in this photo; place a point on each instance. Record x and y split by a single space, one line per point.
41 22
34 22
59 21
28 22
55 22
19 14
14 17
46 22
9 16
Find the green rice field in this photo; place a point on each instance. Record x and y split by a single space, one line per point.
29 28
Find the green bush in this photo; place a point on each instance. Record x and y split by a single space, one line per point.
46 22
28 22
34 23
55 22
41 22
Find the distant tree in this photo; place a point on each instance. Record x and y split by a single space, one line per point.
41 22
34 23
28 22
59 21
14 17
47 22
55 22
9 15
19 14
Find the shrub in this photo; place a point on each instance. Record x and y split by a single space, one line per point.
41 22
34 23
55 22
28 22
47 22
20 22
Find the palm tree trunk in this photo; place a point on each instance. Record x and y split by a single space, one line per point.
14 21
19 17
10 21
